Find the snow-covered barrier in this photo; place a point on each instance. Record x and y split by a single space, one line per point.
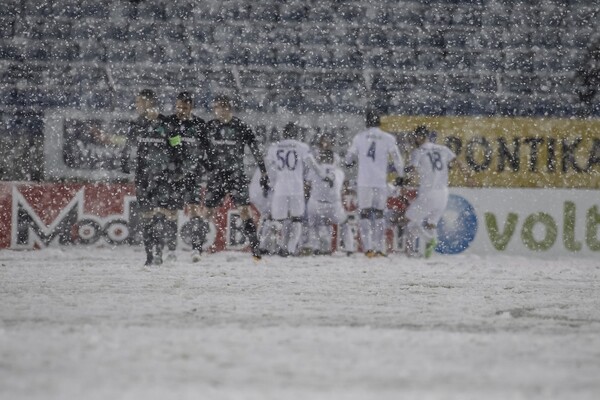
529 222
46 214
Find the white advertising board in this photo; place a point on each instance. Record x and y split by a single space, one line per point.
529 222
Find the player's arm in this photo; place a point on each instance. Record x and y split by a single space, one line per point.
252 143
398 163
351 155
126 152
310 162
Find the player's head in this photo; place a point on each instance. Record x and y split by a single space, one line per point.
223 107
422 135
146 101
184 105
326 156
325 142
372 118
291 130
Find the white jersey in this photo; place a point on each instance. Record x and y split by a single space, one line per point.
286 161
320 190
257 195
431 162
373 149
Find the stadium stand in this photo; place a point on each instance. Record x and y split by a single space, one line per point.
435 57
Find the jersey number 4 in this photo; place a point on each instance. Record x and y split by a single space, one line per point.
287 160
371 151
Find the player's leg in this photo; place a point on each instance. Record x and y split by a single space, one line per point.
438 200
379 205
144 191
365 224
216 189
241 199
296 207
345 231
416 214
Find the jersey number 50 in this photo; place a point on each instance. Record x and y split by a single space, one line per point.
287 160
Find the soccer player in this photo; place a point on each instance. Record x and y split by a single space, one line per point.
194 161
431 163
373 149
262 199
156 168
288 160
324 206
228 137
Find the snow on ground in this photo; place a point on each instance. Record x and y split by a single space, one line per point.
86 323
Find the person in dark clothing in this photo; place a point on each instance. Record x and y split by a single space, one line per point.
156 168
228 138
194 157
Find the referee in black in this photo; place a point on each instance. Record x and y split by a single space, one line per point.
194 163
156 167
228 138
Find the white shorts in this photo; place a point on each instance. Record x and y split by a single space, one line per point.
319 213
262 203
372 197
284 207
428 207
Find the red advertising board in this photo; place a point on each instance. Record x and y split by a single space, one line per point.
36 215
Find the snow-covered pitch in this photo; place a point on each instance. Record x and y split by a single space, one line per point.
83 323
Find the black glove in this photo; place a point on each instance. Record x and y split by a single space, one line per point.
399 181
329 181
264 184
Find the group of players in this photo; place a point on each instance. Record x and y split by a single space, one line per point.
172 154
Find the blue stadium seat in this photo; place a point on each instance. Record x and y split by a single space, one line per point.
321 12
430 59
183 10
36 51
117 30
96 9
118 51
518 60
201 33
174 52
7 27
64 51
152 9
10 51
142 30
92 51
24 73
11 8
37 8
459 83
89 28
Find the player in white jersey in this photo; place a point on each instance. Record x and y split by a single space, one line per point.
373 149
431 162
261 199
286 161
325 207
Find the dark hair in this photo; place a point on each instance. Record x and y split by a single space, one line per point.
422 131
291 130
372 118
222 100
149 95
186 97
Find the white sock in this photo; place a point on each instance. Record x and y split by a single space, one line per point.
379 234
364 227
347 237
295 236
